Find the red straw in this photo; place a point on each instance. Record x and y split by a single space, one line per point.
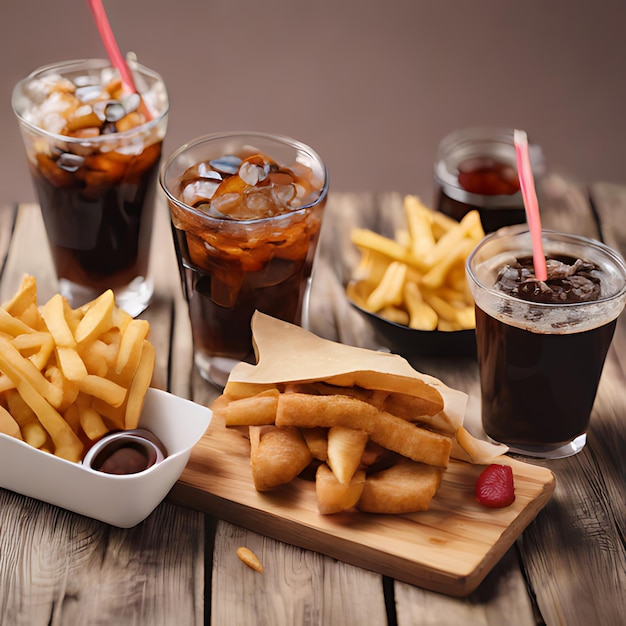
527 185
110 44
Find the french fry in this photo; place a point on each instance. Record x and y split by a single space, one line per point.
58 378
13 326
409 279
92 424
317 441
277 456
53 313
103 388
35 434
8 425
139 386
71 364
250 559
134 333
333 496
419 222
17 368
37 346
422 315
24 297
367 239
98 318
389 291
66 444
405 487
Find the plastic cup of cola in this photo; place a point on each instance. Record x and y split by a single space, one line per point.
94 152
246 211
540 362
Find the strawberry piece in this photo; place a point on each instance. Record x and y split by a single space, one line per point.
494 487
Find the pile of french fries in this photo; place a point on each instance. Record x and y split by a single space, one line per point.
69 376
418 278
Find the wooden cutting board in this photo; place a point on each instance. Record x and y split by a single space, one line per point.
450 548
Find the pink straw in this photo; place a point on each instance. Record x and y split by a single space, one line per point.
527 185
110 44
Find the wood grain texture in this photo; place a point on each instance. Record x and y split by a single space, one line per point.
574 553
449 548
298 587
567 567
60 568
270 600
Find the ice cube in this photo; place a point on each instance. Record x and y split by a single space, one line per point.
252 173
227 203
227 164
259 203
283 195
199 192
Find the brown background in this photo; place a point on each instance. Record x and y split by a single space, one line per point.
372 85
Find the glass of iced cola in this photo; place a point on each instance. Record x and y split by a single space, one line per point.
246 211
93 150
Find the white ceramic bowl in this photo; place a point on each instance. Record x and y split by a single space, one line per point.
122 501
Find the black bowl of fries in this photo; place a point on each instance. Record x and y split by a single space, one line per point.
412 287
410 342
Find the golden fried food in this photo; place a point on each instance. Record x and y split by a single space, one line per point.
69 376
352 417
405 487
418 278
277 456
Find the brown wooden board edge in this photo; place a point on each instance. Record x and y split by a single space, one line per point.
291 532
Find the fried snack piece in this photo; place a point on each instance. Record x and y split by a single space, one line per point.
344 452
389 431
277 456
334 496
250 559
405 487
317 441
257 410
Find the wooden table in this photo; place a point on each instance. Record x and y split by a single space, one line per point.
179 566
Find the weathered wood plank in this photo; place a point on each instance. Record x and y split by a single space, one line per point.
60 568
333 317
573 553
297 588
69 569
501 595
7 222
285 593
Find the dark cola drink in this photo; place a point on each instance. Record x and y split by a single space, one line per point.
94 151
246 221
542 345
524 376
475 169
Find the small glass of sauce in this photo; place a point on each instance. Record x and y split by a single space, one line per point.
476 168
125 452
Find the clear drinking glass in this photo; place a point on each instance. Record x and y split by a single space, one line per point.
476 168
251 246
540 363
94 160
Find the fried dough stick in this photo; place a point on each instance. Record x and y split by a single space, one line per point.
389 431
